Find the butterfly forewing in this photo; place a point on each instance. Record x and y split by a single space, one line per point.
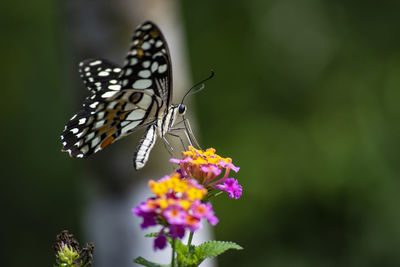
122 99
148 66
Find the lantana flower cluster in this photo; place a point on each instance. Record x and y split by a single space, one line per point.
210 170
179 201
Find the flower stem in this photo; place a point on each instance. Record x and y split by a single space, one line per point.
173 253
190 242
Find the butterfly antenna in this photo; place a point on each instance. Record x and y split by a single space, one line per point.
189 92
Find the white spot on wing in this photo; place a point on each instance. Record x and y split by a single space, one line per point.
154 66
74 130
99 124
82 133
103 73
114 87
146 64
94 63
129 127
145 46
96 141
142 84
94 104
128 72
79 143
159 43
162 68
146 27
100 115
136 115
85 149
134 61
89 136
109 93
111 105
144 74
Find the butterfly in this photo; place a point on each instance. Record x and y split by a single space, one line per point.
125 99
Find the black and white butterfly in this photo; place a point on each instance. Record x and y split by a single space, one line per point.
125 99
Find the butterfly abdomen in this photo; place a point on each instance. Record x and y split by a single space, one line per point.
145 145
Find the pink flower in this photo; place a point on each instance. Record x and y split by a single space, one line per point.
232 187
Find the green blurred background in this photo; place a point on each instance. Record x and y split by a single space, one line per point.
305 101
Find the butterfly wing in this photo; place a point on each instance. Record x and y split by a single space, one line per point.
122 100
99 74
148 64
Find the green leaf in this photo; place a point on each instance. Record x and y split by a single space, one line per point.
180 248
144 262
214 248
155 234
184 258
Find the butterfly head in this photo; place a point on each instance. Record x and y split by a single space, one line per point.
181 109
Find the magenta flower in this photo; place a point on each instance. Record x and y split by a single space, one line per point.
160 242
232 187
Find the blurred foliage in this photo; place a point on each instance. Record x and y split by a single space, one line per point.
38 186
305 100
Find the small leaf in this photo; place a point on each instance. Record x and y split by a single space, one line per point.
214 248
155 234
144 262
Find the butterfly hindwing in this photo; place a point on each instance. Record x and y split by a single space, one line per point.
99 74
105 120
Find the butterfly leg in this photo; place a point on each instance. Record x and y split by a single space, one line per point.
168 146
186 134
177 136
189 133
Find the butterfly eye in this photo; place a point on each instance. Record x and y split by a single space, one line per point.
182 109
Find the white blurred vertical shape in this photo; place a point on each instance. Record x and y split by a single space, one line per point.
115 188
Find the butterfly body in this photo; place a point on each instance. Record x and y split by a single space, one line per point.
125 99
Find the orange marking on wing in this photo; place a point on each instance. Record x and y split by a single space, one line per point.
154 34
136 97
107 141
140 53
